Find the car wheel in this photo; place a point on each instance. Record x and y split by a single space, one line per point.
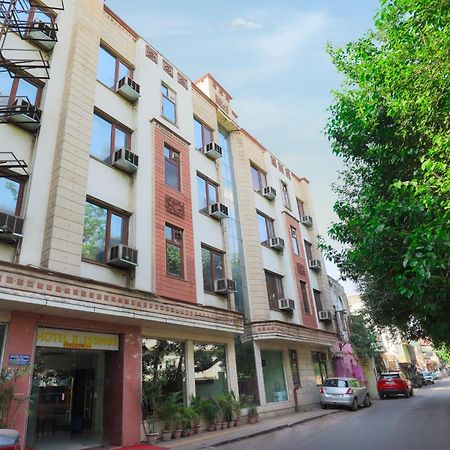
382 396
407 394
354 406
367 401
324 406
412 392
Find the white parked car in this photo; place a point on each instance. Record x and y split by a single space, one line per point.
347 392
427 377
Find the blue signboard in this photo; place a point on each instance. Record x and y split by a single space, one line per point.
19 360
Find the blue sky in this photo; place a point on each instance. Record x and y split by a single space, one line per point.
270 56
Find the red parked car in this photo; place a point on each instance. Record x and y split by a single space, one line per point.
393 383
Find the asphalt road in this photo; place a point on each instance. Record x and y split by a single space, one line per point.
421 422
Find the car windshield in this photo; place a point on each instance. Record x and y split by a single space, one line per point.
334 382
389 376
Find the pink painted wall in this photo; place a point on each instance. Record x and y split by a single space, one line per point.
124 370
346 364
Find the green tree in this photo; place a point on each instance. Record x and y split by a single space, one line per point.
363 338
390 124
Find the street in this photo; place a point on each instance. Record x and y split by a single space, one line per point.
418 423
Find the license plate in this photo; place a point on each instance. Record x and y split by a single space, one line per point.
389 382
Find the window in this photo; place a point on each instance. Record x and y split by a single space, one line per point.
207 192
103 228
107 137
213 267
284 190
174 251
12 88
111 69
202 134
300 207
274 284
317 300
265 226
168 110
11 194
172 168
294 368
320 367
210 370
259 179
273 374
308 250
294 241
304 297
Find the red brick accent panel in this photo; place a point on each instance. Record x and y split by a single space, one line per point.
166 285
299 265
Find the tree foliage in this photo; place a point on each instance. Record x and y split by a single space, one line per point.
390 124
363 338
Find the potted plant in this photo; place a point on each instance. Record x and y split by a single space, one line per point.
170 411
150 429
187 421
252 414
237 404
196 419
197 408
151 406
210 413
228 408
177 422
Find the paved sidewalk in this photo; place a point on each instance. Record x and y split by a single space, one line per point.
207 439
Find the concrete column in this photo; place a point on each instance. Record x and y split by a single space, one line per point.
259 374
190 372
288 375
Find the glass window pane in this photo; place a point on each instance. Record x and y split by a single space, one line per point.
121 139
101 138
168 232
9 195
308 250
94 236
171 174
262 228
208 283
210 370
255 179
198 137
168 109
201 193
207 135
212 193
28 90
106 69
117 232
273 373
164 90
124 71
174 260
218 266
270 228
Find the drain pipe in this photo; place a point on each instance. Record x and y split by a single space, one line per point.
296 399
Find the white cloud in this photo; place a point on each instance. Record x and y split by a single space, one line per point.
241 23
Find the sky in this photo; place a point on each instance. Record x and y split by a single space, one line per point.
270 56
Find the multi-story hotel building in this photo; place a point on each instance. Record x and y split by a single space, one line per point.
139 221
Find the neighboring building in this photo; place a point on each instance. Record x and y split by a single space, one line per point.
139 221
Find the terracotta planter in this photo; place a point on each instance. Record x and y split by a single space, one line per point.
196 429
223 425
212 427
190 432
152 438
167 435
253 419
230 424
237 422
177 434
185 433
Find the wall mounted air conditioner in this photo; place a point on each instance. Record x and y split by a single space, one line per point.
306 220
213 150
224 286
276 243
270 193
125 160
218 211
122 256
128 89
11 228
315 264
286 304
324 316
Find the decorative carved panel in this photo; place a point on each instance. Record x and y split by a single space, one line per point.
151 54
182 80
174 206
168 68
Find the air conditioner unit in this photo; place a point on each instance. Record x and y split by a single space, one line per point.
306 220
225 286
213 150
122 256
315 264
343 336
11 228
286 304
270 193
43 34
128 89
276 243
218 211
25 114
125 160
324 315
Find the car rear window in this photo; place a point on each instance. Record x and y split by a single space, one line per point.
336 383
389 376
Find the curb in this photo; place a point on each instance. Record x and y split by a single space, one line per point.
231 440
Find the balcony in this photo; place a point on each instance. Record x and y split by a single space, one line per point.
21 112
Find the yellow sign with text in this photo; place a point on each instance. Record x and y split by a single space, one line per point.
76 340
